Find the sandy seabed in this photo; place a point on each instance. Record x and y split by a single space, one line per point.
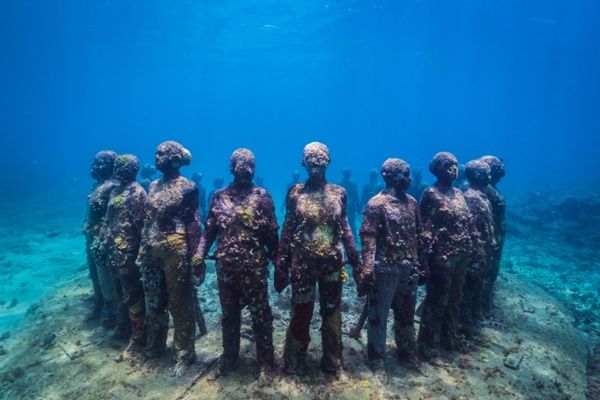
545 317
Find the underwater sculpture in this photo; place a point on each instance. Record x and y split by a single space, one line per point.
121 235
241 218
418 185
353 202
370 189
170 236
499 211
217 185
146 173
197 179
478 174
105 297
310 253
446 240
391 265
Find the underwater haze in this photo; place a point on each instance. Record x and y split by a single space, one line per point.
371 79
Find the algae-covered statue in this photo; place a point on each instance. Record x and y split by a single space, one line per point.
241 218
446 239
105 297
499 211
121 234
391 265
478 174
310 253
170 236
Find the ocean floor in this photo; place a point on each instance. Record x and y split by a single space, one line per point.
542 344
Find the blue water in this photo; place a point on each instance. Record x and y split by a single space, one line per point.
371 79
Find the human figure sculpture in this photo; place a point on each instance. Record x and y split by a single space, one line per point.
499 211
197 179
310 253
478 174
446 240
392 263
104 294
241 218
217 185
121 235
170 236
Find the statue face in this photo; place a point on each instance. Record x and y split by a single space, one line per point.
397 173
126 168
170 156
243 170
103 164
163 159
445 167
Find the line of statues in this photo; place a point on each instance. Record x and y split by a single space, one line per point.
147 252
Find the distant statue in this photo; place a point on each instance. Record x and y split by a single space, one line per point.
170 236
353 202
447 240
370 189
147 173
242 220
391 266
197 179
478 174
499 210
310 252
105 297
417 185
217 185
122 234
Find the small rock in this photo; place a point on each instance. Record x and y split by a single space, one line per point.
3 351
48 340
4 336
12 304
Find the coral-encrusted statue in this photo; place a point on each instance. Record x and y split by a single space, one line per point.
122 233
310 252
392 262
499 210
241 218
478 175
105 298
447 241
170 236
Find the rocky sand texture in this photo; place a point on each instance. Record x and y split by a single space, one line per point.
532 351
548 319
